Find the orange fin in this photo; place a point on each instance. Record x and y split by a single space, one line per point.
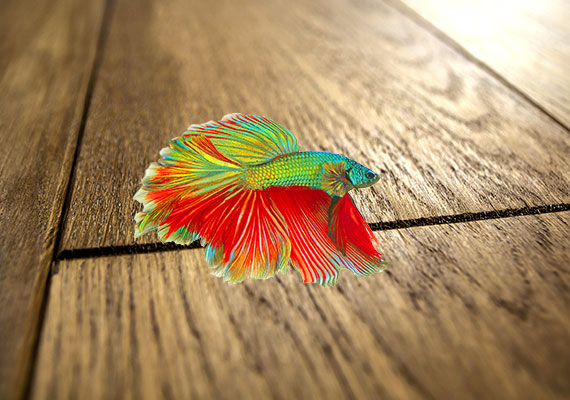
196 192
190 167
245 237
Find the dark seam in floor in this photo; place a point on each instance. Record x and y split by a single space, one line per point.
124 250
376 226
445 38
101 40
468 217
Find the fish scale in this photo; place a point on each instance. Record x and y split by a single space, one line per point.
297 169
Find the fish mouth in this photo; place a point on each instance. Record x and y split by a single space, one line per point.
365 185
371 182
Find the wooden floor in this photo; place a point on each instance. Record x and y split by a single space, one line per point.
465 108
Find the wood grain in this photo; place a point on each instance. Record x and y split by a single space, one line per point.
468 310
527 42
357 78
46 55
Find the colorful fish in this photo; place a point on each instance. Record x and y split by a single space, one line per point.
257 203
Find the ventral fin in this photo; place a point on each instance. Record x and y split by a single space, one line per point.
335 233
352 236
335 182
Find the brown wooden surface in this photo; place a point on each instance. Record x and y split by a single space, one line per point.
360 79
46 56
467 310
471 310
527 42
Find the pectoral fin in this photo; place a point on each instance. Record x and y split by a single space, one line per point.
335 182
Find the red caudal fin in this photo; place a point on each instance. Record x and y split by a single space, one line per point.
243 234
313 252
197 192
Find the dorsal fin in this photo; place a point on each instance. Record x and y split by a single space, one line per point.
247 139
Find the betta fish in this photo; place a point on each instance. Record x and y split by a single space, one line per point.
257 203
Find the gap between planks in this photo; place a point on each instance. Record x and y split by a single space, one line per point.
102 38
380 226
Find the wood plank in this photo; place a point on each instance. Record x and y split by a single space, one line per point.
468 310
358 79
46 55
527 42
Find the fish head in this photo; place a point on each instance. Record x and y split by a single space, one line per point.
359 175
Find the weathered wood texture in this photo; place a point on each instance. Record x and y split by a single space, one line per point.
358 78
527 42
46 55
471 310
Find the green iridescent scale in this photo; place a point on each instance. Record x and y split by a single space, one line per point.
296 169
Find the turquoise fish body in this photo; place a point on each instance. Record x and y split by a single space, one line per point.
308 169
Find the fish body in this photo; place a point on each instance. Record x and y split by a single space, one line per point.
306 169
257 203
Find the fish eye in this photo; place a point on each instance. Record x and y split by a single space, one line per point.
370 175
